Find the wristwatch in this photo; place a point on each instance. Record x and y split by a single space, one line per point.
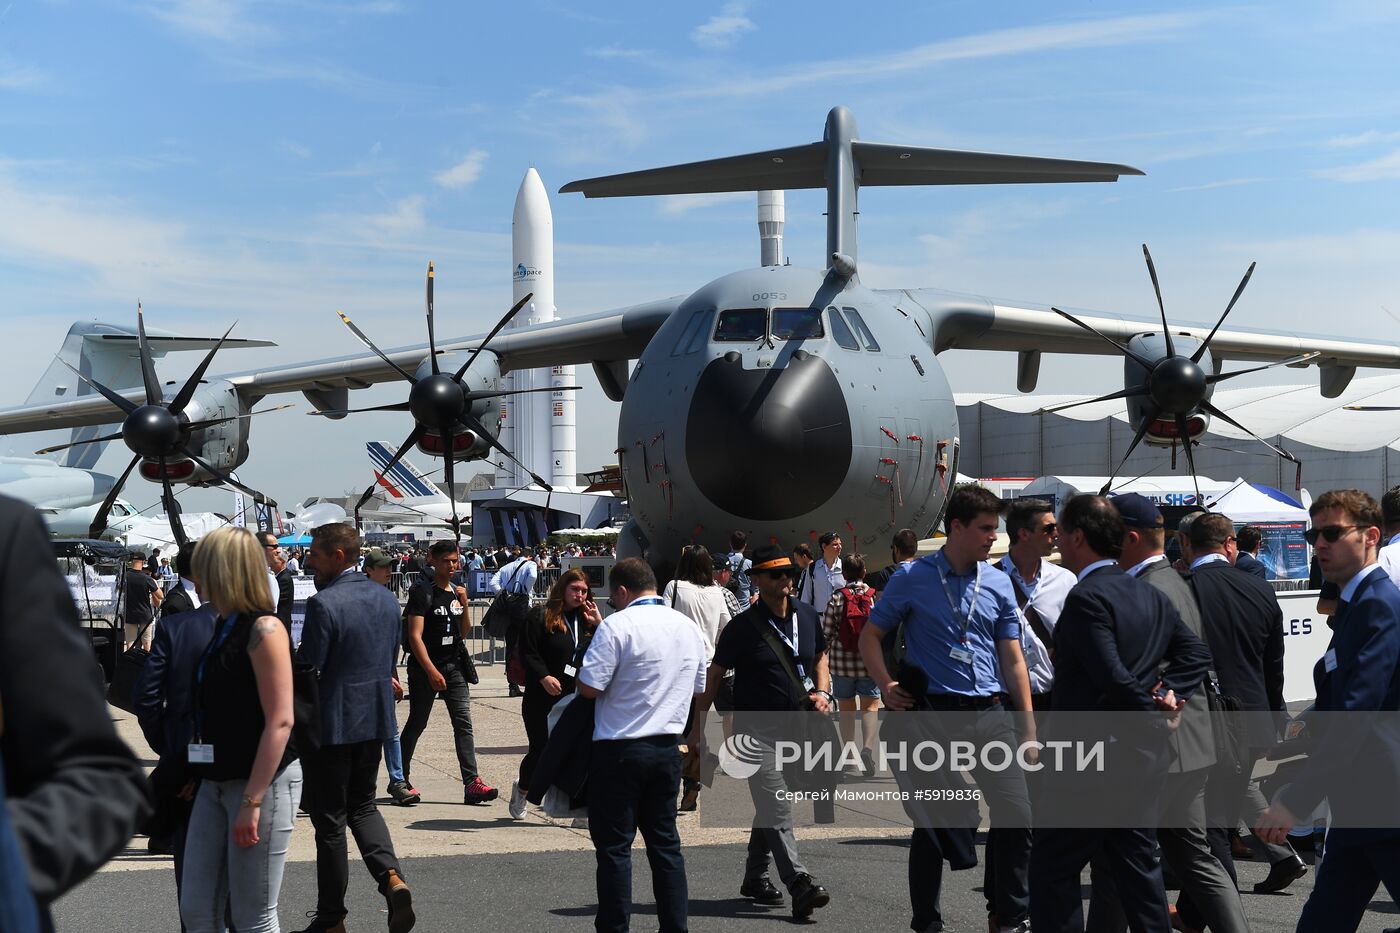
826 693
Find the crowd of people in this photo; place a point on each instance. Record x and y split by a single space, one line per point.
249 727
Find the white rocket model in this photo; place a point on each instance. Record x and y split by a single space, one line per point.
538 428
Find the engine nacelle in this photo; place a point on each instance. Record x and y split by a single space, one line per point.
223 446
484 376
1172 381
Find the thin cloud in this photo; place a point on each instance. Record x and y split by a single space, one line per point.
224 20
294 148
1227 183
723 30
681 204
1382 169
1368 138
464 172
16 77
614 52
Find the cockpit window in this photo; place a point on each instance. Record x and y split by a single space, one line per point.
702 332
742 325
686 342
858 322
797 323
840 332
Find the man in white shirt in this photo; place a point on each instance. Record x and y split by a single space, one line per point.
1040 587
1389 555
517 576
824 576
645 664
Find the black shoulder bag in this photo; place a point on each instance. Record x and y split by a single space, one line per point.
507 608
128 670
817 728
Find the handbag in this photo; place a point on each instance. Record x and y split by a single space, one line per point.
127 673
506 608
1224 723
306 707
817 729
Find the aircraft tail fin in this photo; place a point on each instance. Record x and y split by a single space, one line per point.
404 481
841 164
105 353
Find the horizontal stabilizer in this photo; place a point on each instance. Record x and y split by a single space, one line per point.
170 344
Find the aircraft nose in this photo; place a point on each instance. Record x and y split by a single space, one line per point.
768 444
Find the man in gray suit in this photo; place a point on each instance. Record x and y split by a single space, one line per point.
1183 810
351 637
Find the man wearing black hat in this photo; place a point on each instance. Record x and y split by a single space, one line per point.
1182 836
770 647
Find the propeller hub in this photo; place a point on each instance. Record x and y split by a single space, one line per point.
437 401
1177 385
153 431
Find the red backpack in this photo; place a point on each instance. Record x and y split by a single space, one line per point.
857 614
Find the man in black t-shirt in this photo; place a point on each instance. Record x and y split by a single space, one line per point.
142 596
439 665
763 683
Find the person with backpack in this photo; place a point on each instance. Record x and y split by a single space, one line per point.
516 579
739 566
846 614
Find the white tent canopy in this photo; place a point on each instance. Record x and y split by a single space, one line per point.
1243 502
1163 490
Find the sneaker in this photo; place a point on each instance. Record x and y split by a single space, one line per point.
807 896
322 925
403 795
400 902
579 822
867 758
1023 927
517 801
479 792
761 890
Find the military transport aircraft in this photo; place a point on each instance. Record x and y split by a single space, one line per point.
781 400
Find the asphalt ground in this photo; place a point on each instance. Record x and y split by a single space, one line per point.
472 868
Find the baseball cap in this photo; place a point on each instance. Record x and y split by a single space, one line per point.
377 557
1137 511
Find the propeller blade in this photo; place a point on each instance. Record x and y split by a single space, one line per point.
1124 393
126 406
1166 328
1348 408
182 398
1216 412
1221 377
1137 439
474 396
99 520
432 339
227 480
1139 359
485 435
397 406
1205 344
515 309
1184 430
447 468
413 436
172 508
215 422
370 343
154 395
91 440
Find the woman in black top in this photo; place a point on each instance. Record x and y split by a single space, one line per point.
250 785
551 649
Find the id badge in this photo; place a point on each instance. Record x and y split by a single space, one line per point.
201 754
1329 660
961 653
446 640
570 670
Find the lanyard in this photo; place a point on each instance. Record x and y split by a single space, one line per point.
791 642
217 642
1009 566
647 601
963 620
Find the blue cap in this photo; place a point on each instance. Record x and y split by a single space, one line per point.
1137 511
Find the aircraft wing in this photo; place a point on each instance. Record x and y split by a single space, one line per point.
971 322
603 337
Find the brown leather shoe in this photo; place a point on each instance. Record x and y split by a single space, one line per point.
396 892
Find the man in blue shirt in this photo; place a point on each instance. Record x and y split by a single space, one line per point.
962 629
739 566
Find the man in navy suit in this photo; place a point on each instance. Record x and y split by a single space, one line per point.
162 698
1120 645
1249 539
1355 755
351 637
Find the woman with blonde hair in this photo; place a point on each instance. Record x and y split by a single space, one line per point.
551 648
250 785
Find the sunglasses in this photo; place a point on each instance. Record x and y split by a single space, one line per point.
780 572
1331 533
1050 528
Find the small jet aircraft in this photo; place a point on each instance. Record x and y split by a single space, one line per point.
783 400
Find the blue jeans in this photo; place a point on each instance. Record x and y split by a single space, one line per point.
222 879
393 758
632 785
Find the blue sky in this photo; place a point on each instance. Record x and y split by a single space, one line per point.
272 162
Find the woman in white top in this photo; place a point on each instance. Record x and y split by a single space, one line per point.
695 595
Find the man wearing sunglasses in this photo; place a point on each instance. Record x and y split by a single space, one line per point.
1355 755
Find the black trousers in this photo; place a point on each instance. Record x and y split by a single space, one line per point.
340 791
534 710
1347 879
632 786
928 849
458 698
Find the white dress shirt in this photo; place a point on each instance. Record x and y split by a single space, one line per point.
189 587
1208 559
824 580
1045 594
1140 566
1389 559
1095 566
1349 590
